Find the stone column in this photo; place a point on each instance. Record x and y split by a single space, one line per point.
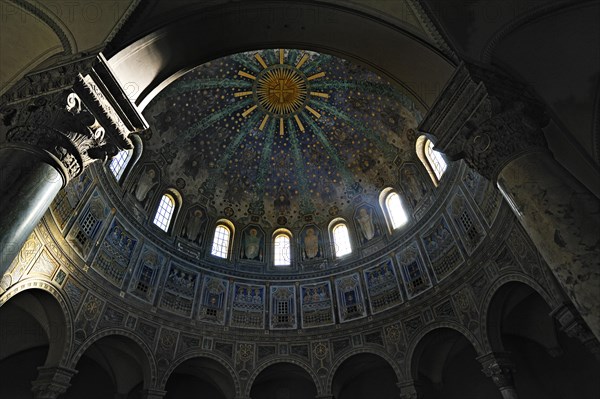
575 327
52 382
496 126
50 138
408 389
500 368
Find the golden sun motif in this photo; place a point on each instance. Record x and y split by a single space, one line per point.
281 91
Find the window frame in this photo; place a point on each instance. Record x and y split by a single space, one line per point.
229 228
120 172
171 219
424 146
384 198
335 225
288 236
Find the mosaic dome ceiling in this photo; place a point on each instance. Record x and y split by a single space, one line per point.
279 137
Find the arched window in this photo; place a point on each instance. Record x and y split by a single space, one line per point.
119 163
341 240
433 160
164 212
392 207
281 250
221 241
396 211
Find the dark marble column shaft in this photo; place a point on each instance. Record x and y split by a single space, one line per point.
495 125
28 184
49 139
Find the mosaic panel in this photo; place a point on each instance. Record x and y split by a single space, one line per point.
470 231
317 305
382 287
252 245
115 253
283 307
485 194
413 269
86 229
367 223
312 243
150 263
68 198
213 300
351 303
248 307
441 249
179 290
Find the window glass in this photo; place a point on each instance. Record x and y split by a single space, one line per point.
220 245
395 210
341 240
119 162
282 250
164 213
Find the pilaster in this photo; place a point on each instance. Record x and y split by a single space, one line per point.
493 122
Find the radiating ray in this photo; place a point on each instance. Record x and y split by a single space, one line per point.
202 84
242 58
214 117
306 204
332 152
316 76
300 125
242 93
231 149
312 111
246 75
249 111
302 61
260 61
319 94
281 128
265 160
263 123
383 145
367 87
281 56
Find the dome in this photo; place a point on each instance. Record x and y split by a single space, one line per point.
279 139
275 136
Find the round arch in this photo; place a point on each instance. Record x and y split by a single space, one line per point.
357 351
295 360
168 53
59 354
490 294
410 353
149 370
199 354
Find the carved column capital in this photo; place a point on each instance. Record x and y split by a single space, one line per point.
52 382
71 128
575 327
486 118
408 389
499 367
